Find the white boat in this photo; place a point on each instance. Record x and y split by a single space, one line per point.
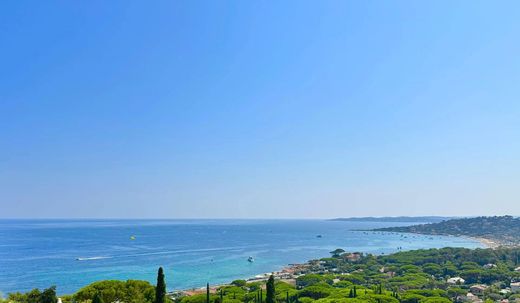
251 259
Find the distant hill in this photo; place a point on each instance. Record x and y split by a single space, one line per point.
424 219
504 229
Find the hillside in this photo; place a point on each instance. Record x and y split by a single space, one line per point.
503 229
423 219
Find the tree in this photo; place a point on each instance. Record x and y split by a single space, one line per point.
33 296
49 295
270 294
239 283
337 252
160 289
207 293
112 290
97 299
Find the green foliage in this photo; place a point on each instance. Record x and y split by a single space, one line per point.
239 283
200 298
378 298
311 279
270 291
160 289
97 299
337 252
49 295
436 300
305 300
317 291
432 269
343 284
34 296
412 298
131 291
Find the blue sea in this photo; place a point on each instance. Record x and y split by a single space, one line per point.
73 253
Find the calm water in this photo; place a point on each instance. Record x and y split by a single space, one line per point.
40 253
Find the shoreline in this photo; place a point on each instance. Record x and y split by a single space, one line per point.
287 273
488 243
290 272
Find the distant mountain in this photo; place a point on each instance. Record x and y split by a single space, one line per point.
504 229
424 219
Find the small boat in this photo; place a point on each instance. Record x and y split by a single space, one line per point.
250 259
132 238
318 236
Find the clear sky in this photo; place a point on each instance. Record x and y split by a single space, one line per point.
178 109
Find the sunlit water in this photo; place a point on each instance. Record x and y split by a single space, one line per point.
41 253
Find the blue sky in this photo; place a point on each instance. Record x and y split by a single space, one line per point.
280 109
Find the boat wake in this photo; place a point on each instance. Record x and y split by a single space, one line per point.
92 258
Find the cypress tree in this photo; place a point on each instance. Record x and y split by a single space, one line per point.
270 293
261 295
355 292
207 293
160 288
221 296
287 297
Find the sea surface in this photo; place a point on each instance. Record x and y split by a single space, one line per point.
73 253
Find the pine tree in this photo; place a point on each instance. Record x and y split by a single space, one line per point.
49 295
97 299
160 289
270 294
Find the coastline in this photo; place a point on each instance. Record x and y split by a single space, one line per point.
488 243
290 272
287 273
321 249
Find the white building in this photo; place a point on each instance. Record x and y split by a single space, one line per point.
456 280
